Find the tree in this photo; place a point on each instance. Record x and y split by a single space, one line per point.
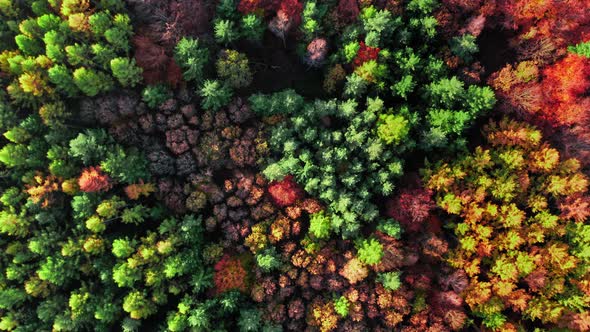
93 180
138 307
155 95
192 58
392 129
464 47
252 27
215 95
285 192
232 67
91 82
320 225
370 251
126 71
510 232
581 49
225 32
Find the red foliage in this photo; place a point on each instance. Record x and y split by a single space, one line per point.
230 274
564 22
293 9
365 53
554 98
94 180
285 192
250 6
348 11
564 86
157 65
411 207
575 207
192 16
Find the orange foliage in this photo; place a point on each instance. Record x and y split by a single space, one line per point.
564 86
230 274
94 180
42 188
134 191
564 22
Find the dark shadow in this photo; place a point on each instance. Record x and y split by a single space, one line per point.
494 49
278 66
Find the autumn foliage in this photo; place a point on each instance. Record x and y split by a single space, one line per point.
365 53
93 179
518 227
285 192
230 274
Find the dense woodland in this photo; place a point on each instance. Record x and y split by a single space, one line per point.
295 165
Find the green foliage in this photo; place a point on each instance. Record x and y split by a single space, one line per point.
268 260
369 251
329 161
126 71
225 31
232 67
138 306
464 46
252 27
192 58
155 95
284 102
63 80
390 280
581 49
320 225
92 82
90 147
341 306
60 49
250 320
127 166
393 129
525 227
390 227
214 95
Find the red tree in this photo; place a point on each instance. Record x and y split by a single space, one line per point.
565 84
365 53
411 207
286 192
230 274
348 10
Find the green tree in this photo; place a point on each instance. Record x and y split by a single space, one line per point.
225 31
91 82
215 95
320 225
464 46
138 306
126 71
155 95
192 58
369 251
252 27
